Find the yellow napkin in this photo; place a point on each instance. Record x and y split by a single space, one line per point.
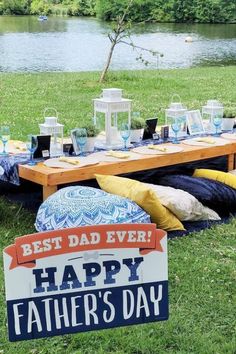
206 140
156 147
69 160
118 154
19 145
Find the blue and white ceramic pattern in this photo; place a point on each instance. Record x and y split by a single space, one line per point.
80 206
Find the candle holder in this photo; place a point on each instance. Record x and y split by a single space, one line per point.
53 128
115 110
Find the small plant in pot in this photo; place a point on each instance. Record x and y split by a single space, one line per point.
228 119
92 133
136 129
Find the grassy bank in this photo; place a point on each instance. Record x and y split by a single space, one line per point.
23 97
202 273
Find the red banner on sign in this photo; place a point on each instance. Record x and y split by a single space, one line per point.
27 249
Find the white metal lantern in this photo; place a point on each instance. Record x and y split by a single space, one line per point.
53 128
176 113
111 104
211 110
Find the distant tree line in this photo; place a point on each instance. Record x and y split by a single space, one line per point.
209 11
205 11
47 7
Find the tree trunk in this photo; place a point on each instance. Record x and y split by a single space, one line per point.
108 62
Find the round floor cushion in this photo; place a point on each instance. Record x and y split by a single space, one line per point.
80 206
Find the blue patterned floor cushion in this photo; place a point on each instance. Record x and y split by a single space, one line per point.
214 194
80 206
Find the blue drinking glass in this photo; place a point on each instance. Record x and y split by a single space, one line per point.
217 121
125 133
31 144
81 139
5 137
175 126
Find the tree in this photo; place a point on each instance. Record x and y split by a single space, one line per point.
121 34
17 7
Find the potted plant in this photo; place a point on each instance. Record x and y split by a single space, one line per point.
228 119
92 133
136 129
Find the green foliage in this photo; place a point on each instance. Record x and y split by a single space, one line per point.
17 7
211 11
229 112
40 7
92 130
81 8
137 123
138 11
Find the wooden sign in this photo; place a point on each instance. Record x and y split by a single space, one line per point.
85 278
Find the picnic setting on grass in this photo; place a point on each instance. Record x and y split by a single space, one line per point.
123 143
112 193
117 177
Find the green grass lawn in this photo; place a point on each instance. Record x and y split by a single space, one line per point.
23 97
202 273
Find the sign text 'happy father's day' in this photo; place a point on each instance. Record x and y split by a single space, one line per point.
80 279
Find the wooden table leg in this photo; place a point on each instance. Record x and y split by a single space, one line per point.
48 190
230 162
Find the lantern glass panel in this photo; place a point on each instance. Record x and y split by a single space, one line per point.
211 110
56 132
179 116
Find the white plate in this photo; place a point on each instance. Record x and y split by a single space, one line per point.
195 142
84 161
170 149
229 136
15 147
102 157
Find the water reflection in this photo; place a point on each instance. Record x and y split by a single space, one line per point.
30 24
208 31
80 44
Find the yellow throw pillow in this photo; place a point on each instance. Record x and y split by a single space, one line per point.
144 196
224 177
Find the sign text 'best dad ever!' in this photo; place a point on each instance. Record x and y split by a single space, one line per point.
85 278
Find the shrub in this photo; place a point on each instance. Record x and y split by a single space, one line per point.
40 7
17 7
137 123
92 130
229 112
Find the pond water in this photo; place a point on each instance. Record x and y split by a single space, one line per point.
81 44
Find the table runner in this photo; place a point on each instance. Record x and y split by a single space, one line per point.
10 163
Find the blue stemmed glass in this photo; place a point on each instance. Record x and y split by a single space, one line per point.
217 121
5 137
31 144
175 126
81 138
125 133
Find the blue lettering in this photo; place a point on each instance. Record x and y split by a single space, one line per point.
50 279
133 266
70 276
92 270
112 268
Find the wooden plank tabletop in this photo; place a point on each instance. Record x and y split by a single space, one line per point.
47 176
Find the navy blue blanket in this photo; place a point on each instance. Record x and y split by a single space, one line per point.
30 195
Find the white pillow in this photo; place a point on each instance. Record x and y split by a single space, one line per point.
184 205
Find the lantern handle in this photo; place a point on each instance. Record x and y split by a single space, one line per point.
50 109
175 95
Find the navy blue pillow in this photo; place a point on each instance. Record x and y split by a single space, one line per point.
216 195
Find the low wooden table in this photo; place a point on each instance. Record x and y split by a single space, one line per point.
50 178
